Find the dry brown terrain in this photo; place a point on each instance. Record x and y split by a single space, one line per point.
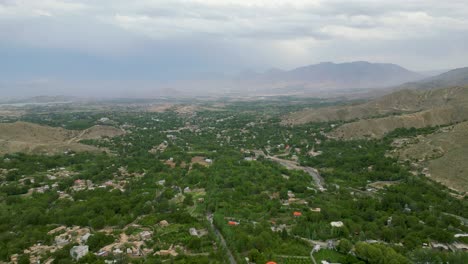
33 138
159 108
413 108
400 102
378 127
441 156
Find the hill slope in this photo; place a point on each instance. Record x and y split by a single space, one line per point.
441 155
33 138
434 107
456 77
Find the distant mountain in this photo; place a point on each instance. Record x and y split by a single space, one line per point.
329 76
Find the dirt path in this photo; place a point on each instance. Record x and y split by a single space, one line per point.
232 260
77 138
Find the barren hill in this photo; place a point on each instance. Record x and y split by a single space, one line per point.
456 77
33 138
400 102
378 127
441 156
436 107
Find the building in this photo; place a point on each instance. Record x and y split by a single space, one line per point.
297 214
193 232
145 235
337 224
78 252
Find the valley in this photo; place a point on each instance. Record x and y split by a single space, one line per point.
222 181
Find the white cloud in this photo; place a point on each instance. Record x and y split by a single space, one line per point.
20 9
283 33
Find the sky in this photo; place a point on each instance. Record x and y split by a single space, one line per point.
43 40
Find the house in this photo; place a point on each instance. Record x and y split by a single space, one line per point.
56 230
104 120
78 252
172 137
117 251
315 210
193 232
337 224
162 182
297 214
278 228
166 252
233 223
62 240
145 235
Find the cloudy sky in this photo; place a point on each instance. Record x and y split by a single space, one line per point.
165 39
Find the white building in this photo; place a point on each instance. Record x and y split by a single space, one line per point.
78 252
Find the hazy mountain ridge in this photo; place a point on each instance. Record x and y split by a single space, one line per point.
359 74
407 98
320 80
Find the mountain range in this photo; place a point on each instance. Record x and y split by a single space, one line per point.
359 74
326 79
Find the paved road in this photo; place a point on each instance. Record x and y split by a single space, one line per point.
232 260
292 165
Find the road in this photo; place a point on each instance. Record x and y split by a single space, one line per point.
232 260
293 165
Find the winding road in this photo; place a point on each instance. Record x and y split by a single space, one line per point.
293 165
